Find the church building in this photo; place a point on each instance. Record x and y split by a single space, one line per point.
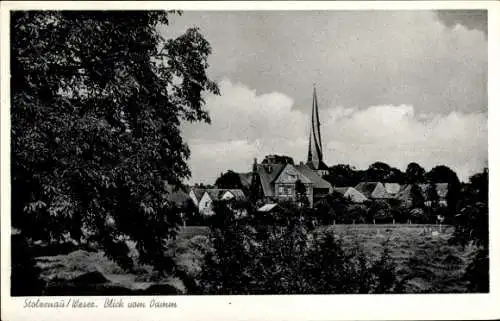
278 178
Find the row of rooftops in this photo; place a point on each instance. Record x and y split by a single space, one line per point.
379 190
217 193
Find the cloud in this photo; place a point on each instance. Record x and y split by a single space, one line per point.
470 19
247 125
357 58
396 135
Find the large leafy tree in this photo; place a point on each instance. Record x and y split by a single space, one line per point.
415 173
444 174
229 179
471 226
343 175
97 100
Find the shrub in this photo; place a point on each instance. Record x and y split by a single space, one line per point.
287 258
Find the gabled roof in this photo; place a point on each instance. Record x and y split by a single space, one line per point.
355 196
215 193
341 190
198 193
404 193
238 193
392 188
366 188
294 171
380 192
267 207
317 181
246 179
267 174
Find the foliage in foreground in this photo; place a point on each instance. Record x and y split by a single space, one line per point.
250 257
97 100
472 228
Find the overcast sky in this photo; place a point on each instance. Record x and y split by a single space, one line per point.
393 86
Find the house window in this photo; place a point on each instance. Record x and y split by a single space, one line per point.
288 190
281 190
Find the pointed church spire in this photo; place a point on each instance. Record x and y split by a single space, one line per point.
315 153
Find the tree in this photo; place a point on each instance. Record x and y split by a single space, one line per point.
97 100
343 175
415 173
229 180
378 172
331 208
287 258
301 194
471 227
255 185
354 213
443 174
395 176
417 198
379 210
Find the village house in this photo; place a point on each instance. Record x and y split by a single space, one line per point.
277 179
392 191
204 198
195 194
351 194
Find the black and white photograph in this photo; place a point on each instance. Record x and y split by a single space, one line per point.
173 152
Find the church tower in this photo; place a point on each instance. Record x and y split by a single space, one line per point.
315 153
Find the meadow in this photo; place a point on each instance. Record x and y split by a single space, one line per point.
425 261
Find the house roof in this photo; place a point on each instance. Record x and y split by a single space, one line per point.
404 193
294 170
238 193
381 192
267 207
267 174
215 193
246 179
355 195
198 192
366 188
317 181
441 189
392 188
341 190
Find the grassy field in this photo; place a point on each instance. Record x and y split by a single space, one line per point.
424 259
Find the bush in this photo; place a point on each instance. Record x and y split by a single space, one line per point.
287 258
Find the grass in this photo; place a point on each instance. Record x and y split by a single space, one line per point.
425 261
424 258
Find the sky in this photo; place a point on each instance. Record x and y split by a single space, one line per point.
393 86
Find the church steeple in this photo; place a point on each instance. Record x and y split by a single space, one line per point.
315 153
